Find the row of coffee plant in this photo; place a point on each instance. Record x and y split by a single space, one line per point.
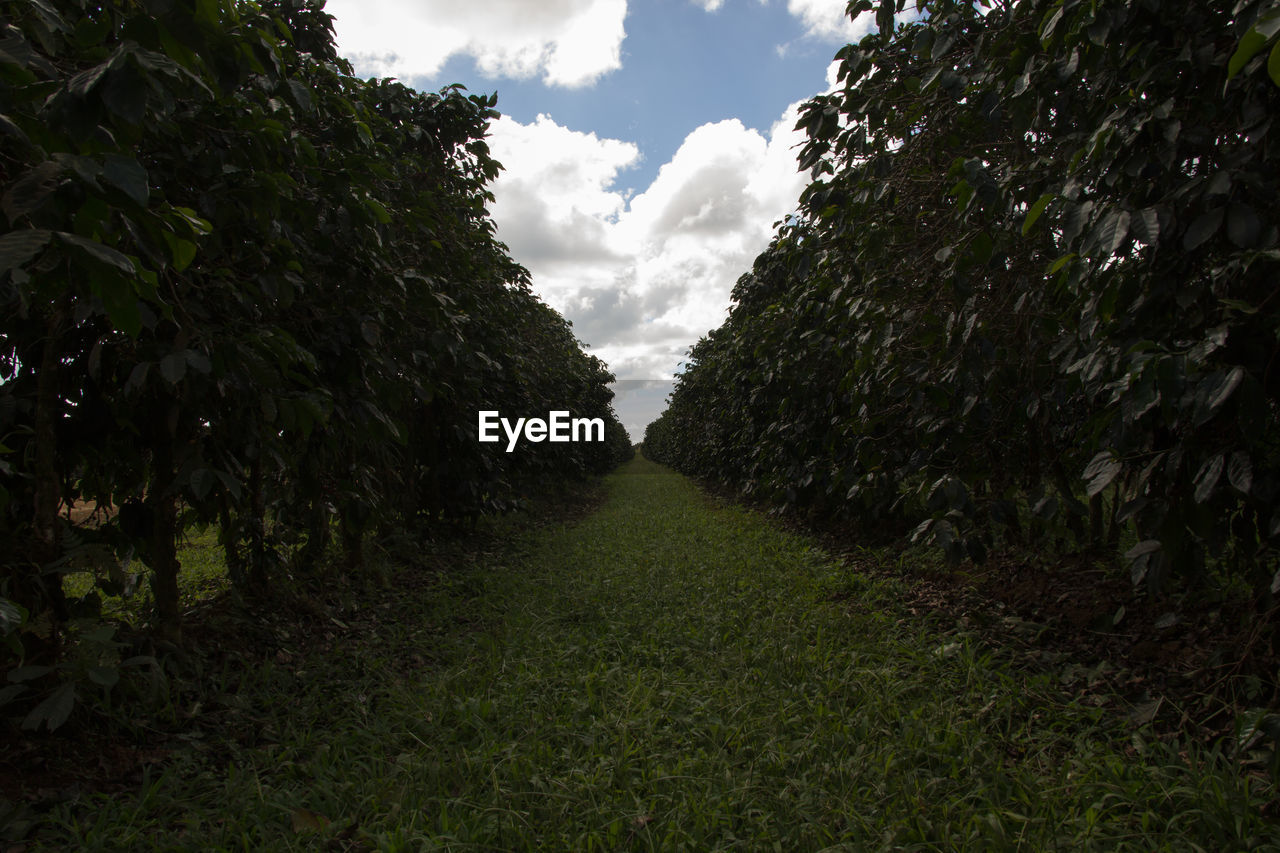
243 289
1030 292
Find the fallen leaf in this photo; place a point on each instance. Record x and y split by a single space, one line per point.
305 820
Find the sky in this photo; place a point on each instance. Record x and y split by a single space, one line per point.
648 148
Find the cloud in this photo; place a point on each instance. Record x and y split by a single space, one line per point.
555 194
636 402
568 42
827 20
833 76
643 276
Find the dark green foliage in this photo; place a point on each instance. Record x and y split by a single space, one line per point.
1028 292
243 288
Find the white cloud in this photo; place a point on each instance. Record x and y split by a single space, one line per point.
827 20
833 76
709 5
637 402
642 278
567 42
555 194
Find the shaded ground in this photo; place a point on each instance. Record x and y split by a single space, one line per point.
664 673
1191 665
114 752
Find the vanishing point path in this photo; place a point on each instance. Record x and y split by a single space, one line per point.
671 674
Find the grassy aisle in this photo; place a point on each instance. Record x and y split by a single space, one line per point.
668 675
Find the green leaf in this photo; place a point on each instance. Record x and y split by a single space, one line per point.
1075 219
1113 231
301 95
54 710
7 126
1140 557
1244 227
1205 226
268 406
173 367
1206 479
181 252
138 376
28 673
19 247
230 483
1253 43
1034 213
199 362
125 94
1141 397
11 616
97 251
1100 471
1050 24
1146 226
127 174
202 482
379 211
1249 46
1240 472
1214 390
198 225
11 692
103 676
1060 263
1273 64
30 191
980 249
120 300
1147 546
80 84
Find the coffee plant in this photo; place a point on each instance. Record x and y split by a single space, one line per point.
243 289
1029 292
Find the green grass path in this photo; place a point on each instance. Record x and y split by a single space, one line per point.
668 674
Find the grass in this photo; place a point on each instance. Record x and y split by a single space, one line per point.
202 576
668 674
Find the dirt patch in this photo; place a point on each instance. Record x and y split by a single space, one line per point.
86 513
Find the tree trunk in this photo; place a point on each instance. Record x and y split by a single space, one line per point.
1096 520
164 536
258 578
45 590
318 532
1063 482
352 540
229 537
